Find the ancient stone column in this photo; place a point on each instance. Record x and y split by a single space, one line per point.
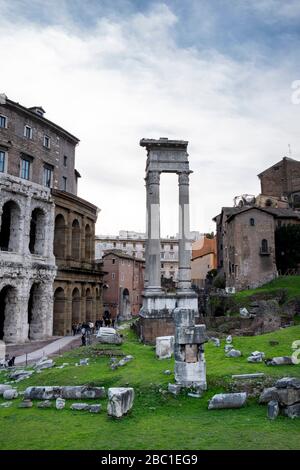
184 246
153 232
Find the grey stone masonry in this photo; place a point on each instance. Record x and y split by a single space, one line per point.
190 366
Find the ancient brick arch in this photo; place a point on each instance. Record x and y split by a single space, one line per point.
76 236
88 243
76 306
59 307
60 231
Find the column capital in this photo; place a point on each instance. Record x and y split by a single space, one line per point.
153 177
184 178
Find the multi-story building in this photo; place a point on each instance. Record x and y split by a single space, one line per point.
133 244
124 284
246 243
204 259
280 185
37 169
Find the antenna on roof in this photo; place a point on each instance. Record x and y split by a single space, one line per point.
290 150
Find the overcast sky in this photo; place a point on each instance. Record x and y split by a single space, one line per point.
217 73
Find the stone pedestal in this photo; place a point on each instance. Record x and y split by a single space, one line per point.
190 369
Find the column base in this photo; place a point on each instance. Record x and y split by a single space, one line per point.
190 374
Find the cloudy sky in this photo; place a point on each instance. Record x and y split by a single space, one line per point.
217 73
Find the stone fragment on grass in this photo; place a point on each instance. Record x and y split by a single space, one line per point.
120 401
292 411
280 361
167 372
44 404
108 336
175 389
229 339
60 403
84 362
234 353
3 388
69 392
216 341
288 382
44 364
26 404
19 375
96 408
227 400
80 406
164 347
285 396
228 347
256 356
273 409
10 394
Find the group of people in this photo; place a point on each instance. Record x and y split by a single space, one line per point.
88 328
8 362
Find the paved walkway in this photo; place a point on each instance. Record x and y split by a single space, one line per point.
47 350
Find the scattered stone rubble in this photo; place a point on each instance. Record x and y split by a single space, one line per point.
10 394
86 407
66 392
234 353
286 394
60 403
120 401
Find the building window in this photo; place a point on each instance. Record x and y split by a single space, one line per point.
46 141
25 169
264 246
252 222
2 161
113 261
28 132
3 121
124 245
65 160
48 176
114 244
122 277
64 183
113 275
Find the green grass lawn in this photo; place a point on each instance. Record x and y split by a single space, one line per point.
290 283
158 420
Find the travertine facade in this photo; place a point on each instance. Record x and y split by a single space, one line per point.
26 260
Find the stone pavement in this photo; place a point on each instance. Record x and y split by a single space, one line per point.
50 348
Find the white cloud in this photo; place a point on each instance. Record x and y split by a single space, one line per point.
126 79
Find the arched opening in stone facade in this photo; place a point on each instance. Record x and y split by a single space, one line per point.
76 240
60 237
37 232
126 307
35 311
89 305
59 312
76 299
8 303
10 227
88 243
